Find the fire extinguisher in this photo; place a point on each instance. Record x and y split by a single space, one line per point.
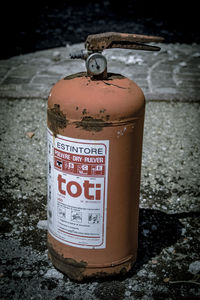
95 130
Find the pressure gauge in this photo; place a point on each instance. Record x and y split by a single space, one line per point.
96 64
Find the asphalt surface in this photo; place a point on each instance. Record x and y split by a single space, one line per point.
168 264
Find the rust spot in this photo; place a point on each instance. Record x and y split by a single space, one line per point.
72 76
69 266
112 76
84 112
112 84
78 270
91 124
56 119
121 271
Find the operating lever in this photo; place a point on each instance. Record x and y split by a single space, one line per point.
108 40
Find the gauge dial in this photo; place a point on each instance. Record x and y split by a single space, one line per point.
96 63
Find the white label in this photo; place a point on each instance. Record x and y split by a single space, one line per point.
77 191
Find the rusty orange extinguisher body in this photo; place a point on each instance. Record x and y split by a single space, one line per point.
96 130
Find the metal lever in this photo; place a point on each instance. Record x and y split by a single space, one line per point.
102 41
96 63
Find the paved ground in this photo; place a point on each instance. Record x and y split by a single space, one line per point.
168 264
171 74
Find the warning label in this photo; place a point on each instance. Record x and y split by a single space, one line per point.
77 191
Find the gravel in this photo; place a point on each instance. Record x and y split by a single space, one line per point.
168 253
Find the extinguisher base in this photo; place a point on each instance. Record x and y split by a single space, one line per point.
80 271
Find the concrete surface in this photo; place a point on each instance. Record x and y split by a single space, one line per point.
168 264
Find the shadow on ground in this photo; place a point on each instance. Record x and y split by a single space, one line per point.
157 230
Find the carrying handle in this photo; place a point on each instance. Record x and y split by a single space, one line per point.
108 40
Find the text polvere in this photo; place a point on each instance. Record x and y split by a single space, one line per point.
88 190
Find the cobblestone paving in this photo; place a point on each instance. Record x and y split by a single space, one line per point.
171 74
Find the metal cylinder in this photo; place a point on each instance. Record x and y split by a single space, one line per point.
95 130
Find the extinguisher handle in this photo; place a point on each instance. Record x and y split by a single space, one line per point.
107 40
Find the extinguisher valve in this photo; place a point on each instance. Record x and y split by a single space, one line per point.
96 63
